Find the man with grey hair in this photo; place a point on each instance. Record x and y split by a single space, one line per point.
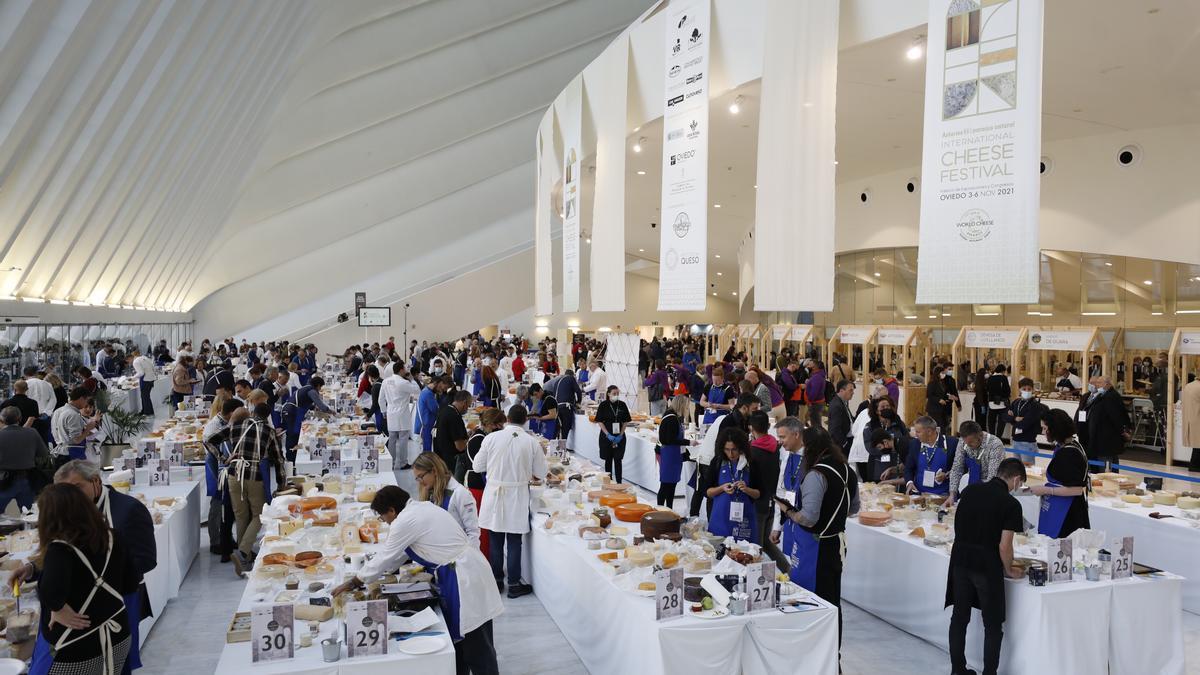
19 446
790 431
979 457
1107 421
930 458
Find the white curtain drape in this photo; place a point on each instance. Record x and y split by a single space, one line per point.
795 197
547 173
607 95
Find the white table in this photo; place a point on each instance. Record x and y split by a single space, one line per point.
640 465
305 464
236 658
614 631
179 474
1075 627
1171 544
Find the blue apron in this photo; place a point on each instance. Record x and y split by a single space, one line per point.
302 398
42 659
803 549
264 472
77 451
1053 510
583 379
447 583
715 395
933 460
476 382
670 463
548 428
720 524
973 471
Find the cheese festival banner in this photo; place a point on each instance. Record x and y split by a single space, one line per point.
980 178
572 193
684 233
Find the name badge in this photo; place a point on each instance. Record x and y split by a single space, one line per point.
929 480
1082 415
790 497
885 458
736 511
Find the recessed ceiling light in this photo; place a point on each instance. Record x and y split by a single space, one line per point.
637 147
716 206
910 317
736 106
641 250
878 274
835 162
714 294
718 255
720 274
588 240
945 313
641 173
916 50
1148 282
755 187
1108 264
734 292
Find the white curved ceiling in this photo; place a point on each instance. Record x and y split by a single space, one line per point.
155 152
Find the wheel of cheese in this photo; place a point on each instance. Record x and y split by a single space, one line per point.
1165 498
1188 503
640 558
631 513
312 504
617 499
874 518
1131 499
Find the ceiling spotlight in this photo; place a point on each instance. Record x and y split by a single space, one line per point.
1108 264
916 50
637 147
714 295
734 292
1148 282
877 274
588 240
736 106
720 274
718 255
641 173
716 206
755 187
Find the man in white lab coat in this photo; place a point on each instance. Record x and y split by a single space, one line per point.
510 457
396 397
427 534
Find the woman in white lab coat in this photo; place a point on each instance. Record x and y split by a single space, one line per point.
398 394
435 484
427 534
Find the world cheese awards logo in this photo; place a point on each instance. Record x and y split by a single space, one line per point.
974 225
682 224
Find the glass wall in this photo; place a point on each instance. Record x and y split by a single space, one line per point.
62 346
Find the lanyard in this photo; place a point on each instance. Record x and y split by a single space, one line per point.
941 442
796 472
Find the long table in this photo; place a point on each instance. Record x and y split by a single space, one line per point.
1171 544
1128 626
614 631
236 657
640 465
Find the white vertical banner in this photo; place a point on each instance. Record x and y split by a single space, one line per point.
794 203
608 93
572 131
683 250
980 178
543 212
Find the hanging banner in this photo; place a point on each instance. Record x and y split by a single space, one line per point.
572 121
992 339
980 179
796 186
683 249
894 336
547 173
607 85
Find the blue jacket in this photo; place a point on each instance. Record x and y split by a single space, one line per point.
427 409
914 451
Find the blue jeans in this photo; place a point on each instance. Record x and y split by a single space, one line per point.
1025 446
497 541
18 489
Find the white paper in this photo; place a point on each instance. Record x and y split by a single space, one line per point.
719 595
929 479
411 624
737 511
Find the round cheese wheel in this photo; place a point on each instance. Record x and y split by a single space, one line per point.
617 499
874 518
640 558
631 513
1165 498
312 504
1131 499
1188 503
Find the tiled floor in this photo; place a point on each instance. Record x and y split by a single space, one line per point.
188 638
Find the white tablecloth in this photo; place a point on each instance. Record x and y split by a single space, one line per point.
236 658
640 465
1058 628
613 631
305 464
1171 544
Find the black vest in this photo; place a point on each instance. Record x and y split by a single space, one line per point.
840 484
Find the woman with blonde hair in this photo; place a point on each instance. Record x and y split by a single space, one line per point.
435 484
671 441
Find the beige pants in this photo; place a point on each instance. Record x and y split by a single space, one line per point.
248 498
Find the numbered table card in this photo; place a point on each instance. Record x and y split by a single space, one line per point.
271 632
174 453
318 449
366 628
148 449
1061 565
333 460
127 464
668 593
1122 560
761 586
370 463
160 472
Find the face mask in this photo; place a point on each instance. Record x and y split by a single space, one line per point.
1026 394
879 380
1091 388
612 397
943 375
887 414
1099 390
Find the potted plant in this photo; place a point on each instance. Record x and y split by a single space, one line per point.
120 426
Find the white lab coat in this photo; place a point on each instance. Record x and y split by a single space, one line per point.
436 537
42 392
506 366
597 382
396 397
707 448
144 367
858 449
463 508
510 456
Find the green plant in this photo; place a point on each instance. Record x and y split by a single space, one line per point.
102 400
121 425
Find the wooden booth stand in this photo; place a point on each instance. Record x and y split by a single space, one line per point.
1050 346
851 337
1183 359
908 350
782 335
723 338
749 340
977 344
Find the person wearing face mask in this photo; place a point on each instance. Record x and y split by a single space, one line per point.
937 402
883 417
979 455
988 517
597 380
999 394
612 415
1064 506
427 409
930 457
1107 421
1025 414
671 441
